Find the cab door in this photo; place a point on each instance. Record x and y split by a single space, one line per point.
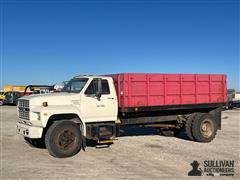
99 101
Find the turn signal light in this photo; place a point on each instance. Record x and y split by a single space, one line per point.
44 104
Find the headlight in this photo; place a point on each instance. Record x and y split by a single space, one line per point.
36 115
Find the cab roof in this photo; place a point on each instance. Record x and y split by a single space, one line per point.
89 76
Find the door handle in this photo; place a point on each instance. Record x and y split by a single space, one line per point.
110 98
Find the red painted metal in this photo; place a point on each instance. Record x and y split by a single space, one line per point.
135 90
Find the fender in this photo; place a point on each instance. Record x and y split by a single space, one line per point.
47 112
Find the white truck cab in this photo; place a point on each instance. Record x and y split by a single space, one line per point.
60 119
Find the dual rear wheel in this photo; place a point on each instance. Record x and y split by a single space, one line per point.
201 127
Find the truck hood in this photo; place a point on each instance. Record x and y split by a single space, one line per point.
63 98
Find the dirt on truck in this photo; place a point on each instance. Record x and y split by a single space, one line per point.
94 107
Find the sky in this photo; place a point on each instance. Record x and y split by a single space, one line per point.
47 42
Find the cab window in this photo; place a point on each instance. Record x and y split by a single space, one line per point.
92 88
105 87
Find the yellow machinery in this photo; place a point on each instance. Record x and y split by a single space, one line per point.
2 97
8 90
14 88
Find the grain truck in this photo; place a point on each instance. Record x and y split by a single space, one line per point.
93 107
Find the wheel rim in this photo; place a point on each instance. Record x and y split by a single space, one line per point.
66 139
207 128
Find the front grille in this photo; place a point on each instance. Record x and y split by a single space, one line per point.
23 113
23 103
23 109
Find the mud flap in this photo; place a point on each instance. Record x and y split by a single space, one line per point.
217 114
84 143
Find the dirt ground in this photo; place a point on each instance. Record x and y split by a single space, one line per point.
140 154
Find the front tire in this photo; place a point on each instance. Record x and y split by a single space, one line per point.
63 139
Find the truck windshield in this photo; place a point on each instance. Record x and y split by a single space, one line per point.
75 85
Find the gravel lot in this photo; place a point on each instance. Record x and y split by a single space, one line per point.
144 155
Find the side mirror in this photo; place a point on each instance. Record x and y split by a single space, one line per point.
98 95
99 89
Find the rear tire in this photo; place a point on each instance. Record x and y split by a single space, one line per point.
63 139
188 126
204 127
